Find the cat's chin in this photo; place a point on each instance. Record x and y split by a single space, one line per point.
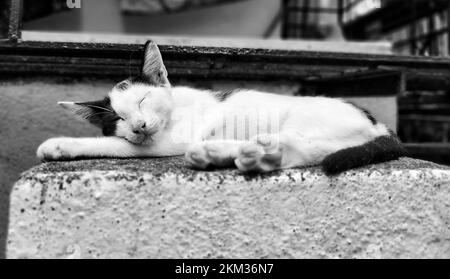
136 142
144 141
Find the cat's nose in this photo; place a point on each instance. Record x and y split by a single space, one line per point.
139 127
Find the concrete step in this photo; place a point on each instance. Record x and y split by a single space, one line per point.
159 208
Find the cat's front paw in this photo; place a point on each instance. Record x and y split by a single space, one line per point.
56 149
209 153
263 154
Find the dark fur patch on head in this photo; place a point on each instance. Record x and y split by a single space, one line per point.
366 113
109 125
101 114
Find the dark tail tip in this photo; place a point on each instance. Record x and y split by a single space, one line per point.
381 149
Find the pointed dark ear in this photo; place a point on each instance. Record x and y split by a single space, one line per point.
153 67
94 112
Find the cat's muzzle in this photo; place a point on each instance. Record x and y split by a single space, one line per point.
140 139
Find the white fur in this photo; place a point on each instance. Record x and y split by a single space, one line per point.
304 129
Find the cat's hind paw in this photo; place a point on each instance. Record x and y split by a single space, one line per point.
55 149
263 154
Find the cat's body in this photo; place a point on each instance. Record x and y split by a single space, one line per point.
254 131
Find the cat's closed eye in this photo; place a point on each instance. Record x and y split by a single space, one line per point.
142 100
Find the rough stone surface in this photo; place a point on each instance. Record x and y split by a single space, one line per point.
159 208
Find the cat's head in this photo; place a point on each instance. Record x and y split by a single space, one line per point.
136 108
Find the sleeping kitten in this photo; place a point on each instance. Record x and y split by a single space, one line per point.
254 131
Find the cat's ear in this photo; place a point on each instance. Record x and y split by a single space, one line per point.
94 112
153 66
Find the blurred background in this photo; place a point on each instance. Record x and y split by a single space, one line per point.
28 114
414 27
417 27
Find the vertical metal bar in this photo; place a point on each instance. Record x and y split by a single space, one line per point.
284 20
14 18
4 19
5 13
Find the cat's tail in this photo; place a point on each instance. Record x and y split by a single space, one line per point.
380 149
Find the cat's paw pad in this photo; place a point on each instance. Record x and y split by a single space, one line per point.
197 156
263 154
219 154
55 149
207 154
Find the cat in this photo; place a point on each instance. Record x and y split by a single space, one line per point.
254 131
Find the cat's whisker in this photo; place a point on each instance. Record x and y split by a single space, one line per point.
96 114
92 106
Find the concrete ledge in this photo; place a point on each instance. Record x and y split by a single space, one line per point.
383 47
157 208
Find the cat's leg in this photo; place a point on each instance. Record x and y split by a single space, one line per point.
286 149
264 153
115 147
219 153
